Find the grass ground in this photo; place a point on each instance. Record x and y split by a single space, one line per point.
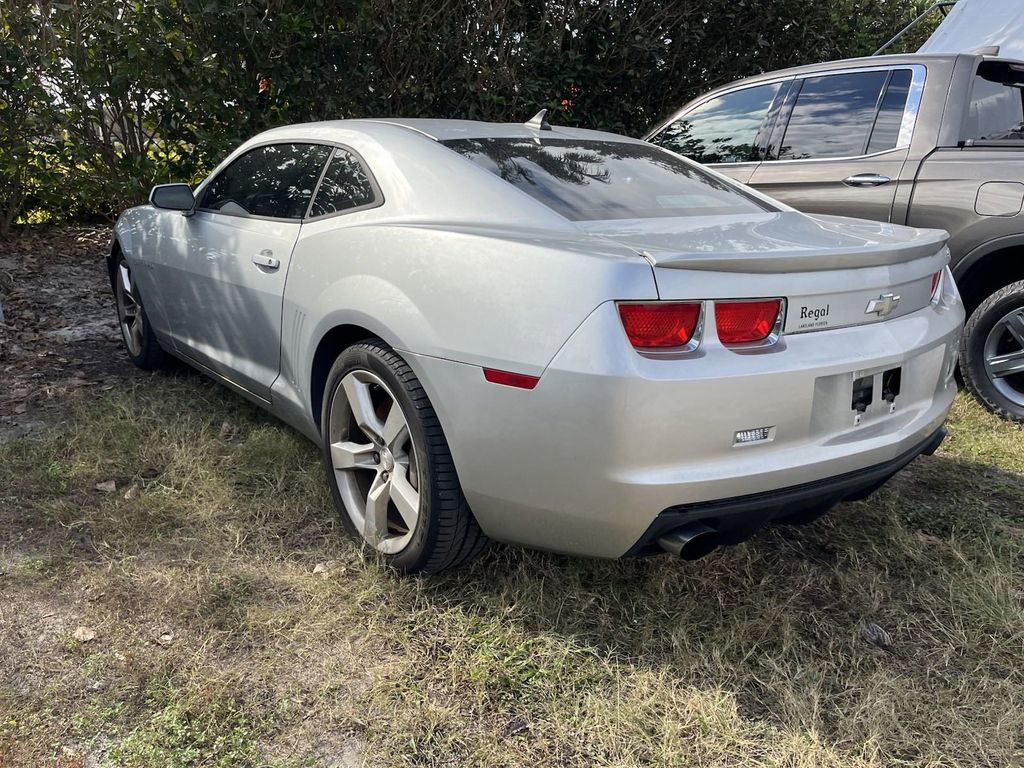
175 591
235 626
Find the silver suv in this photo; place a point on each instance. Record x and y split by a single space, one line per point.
923 140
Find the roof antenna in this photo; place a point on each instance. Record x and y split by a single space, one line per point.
539 122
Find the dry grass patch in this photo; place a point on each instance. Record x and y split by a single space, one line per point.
219 642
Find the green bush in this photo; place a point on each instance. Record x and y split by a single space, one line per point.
100 100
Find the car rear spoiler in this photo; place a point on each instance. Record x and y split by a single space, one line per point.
809 260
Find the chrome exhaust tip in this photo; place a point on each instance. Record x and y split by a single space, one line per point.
690 542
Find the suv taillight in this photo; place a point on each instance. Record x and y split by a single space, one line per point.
661 325
746 322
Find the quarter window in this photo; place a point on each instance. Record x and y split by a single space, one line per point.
835 115
345 185
886 134
276 180
723 129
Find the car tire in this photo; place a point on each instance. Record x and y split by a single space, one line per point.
136 332
425 523
995 335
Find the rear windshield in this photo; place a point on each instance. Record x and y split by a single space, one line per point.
996 111
592 180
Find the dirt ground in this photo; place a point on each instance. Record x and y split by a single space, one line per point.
59 333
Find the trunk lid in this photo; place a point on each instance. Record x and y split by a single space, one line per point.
783 241
832 271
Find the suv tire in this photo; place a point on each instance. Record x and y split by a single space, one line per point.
993 342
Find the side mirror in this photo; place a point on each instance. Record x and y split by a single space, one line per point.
173 197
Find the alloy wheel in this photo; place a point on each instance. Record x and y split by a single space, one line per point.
129 311
374 461
1004 356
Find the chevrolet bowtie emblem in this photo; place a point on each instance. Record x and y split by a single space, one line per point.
883 305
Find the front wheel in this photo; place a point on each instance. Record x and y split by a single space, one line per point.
389 467
992 352
139 342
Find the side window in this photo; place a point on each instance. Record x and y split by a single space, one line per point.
833 116
346 185
723 129
276 180
996 111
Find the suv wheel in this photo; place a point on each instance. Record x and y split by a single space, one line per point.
389 467
992 352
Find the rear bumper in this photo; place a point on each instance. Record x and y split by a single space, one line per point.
736 519
609 440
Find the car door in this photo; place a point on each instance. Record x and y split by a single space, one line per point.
725 130
841 141
222 270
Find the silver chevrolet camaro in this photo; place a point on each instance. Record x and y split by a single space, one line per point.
560 338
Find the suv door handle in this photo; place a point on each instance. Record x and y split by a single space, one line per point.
866 180
266 260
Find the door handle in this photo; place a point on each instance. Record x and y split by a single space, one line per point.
866 180
266 260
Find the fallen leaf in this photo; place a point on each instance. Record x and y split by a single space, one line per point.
132 492
108 486
323 567
227 431
876 636
163 637
517 725
84 634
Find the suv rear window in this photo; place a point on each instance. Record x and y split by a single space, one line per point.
996 111
846 115
592 180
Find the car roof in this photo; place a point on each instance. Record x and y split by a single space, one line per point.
863 61
444 130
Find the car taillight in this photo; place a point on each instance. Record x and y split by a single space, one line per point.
936 285
746 322
660 326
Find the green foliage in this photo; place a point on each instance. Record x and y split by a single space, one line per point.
100 100
215 732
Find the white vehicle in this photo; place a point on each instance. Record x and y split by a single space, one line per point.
559 338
